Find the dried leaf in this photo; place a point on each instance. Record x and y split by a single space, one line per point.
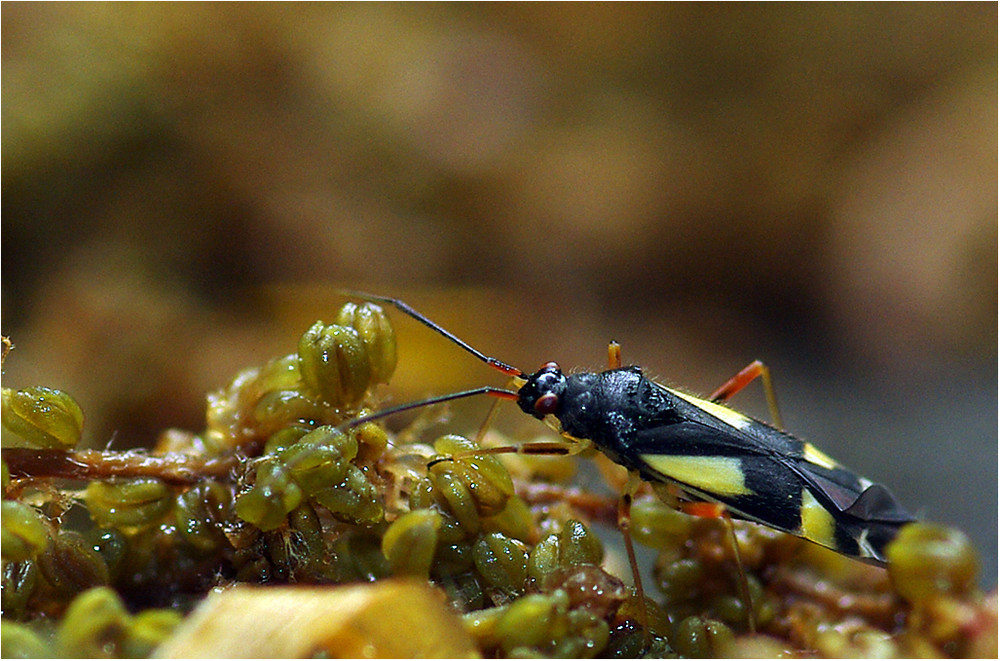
398 619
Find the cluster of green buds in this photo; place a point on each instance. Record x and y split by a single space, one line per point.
96 625
572 607
523 594
317 468
340 362
935 569
453 506
141 532
324 383
281 487
697 570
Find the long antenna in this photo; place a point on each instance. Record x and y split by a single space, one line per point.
406 309
485 390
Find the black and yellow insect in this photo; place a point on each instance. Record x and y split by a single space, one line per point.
708 451
712 453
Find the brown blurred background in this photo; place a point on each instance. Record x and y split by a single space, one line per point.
185 187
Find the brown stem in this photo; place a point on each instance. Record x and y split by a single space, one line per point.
596 507
98 464
878 606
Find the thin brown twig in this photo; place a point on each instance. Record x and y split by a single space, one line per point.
99 464
596 507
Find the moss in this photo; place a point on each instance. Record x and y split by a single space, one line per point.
280 488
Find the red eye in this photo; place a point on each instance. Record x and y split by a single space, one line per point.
547 403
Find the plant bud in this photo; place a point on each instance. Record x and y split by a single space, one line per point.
376 333
43 418
334 364
24 532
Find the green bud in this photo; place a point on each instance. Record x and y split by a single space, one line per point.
679 578
502 562
19 581
18 641
278 374
410 542
24 532
371 438
575 544
579 546
534 622
928 560
276 409
111 545
200 513
456 493
71 565
657 525
284 438
377 335
320 458
334 364
147 630
473 486
130 504
309 544
94 623
43 418
701 638
272 497
354 499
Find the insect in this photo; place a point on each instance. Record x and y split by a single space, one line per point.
707 451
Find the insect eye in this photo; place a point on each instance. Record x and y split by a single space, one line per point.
547 403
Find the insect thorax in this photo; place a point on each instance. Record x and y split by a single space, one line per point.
610 407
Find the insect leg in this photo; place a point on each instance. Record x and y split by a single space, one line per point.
514 383
743 378
718 511
744 582
624 523
488 422
614 355
549 448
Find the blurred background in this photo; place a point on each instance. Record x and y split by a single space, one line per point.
187 186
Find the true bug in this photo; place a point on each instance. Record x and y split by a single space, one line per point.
711 453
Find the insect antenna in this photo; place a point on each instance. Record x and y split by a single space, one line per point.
406 309
384 413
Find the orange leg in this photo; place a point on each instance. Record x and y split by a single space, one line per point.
718 511
624 524
743 378
614 355
549 448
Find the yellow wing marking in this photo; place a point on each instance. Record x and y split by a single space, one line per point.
727 415
721 476
814 456
817 524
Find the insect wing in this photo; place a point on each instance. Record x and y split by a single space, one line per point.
878 504
851 495
765 475
722 466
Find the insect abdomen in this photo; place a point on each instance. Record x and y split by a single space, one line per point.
765 475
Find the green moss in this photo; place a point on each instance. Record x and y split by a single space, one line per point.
306 500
